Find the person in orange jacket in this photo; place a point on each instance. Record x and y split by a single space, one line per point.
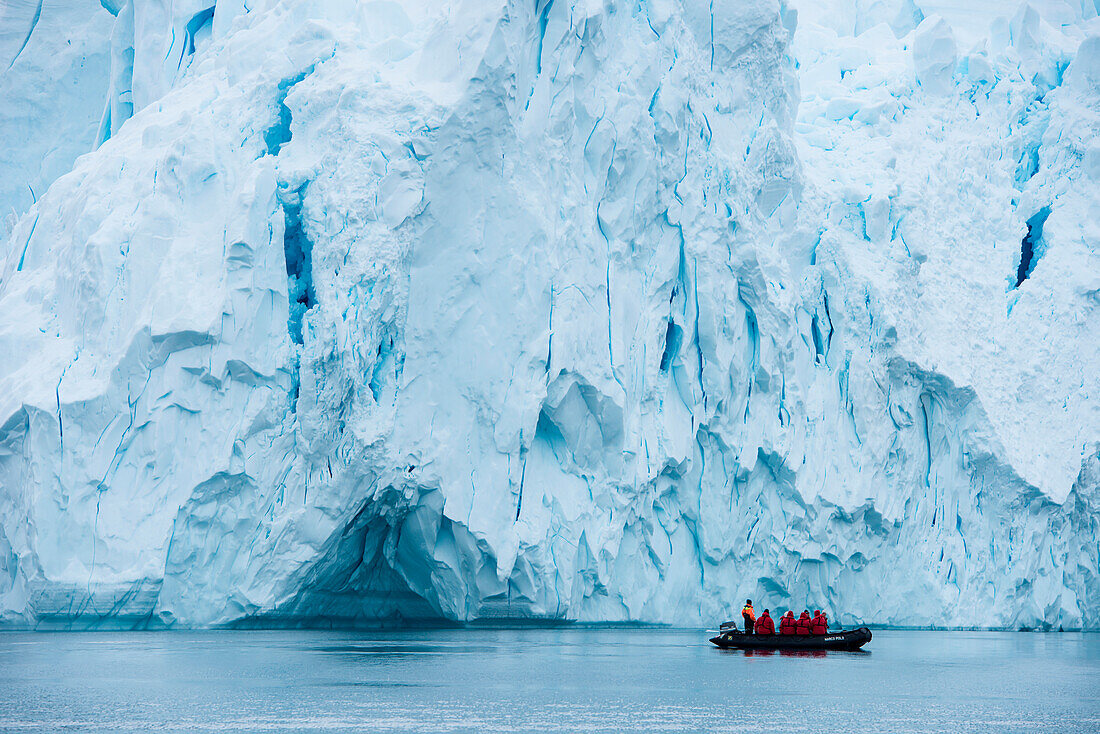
802 626
818 625
787 624
765 625
749 616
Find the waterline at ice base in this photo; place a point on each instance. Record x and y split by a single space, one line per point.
339 313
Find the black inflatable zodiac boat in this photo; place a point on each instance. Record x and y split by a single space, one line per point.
730 637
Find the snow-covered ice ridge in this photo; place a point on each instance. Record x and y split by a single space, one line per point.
594 311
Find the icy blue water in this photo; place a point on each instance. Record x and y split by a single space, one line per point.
542 680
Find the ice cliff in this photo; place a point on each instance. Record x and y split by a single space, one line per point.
326 311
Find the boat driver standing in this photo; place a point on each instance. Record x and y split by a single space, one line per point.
749 616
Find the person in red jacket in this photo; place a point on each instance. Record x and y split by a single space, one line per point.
802 626
765 625
818 625
787 624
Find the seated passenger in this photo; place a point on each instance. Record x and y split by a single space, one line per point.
802 626
818 626
765 625
786 624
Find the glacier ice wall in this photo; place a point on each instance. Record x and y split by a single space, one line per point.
602 311
54 67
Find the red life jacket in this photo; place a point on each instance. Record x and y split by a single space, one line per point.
786 624
818 625
764 625
802 626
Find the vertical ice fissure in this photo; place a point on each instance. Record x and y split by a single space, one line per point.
30 31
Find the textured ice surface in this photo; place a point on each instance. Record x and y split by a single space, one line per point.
54 65
595 311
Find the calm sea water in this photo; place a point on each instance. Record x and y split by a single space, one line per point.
564 679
